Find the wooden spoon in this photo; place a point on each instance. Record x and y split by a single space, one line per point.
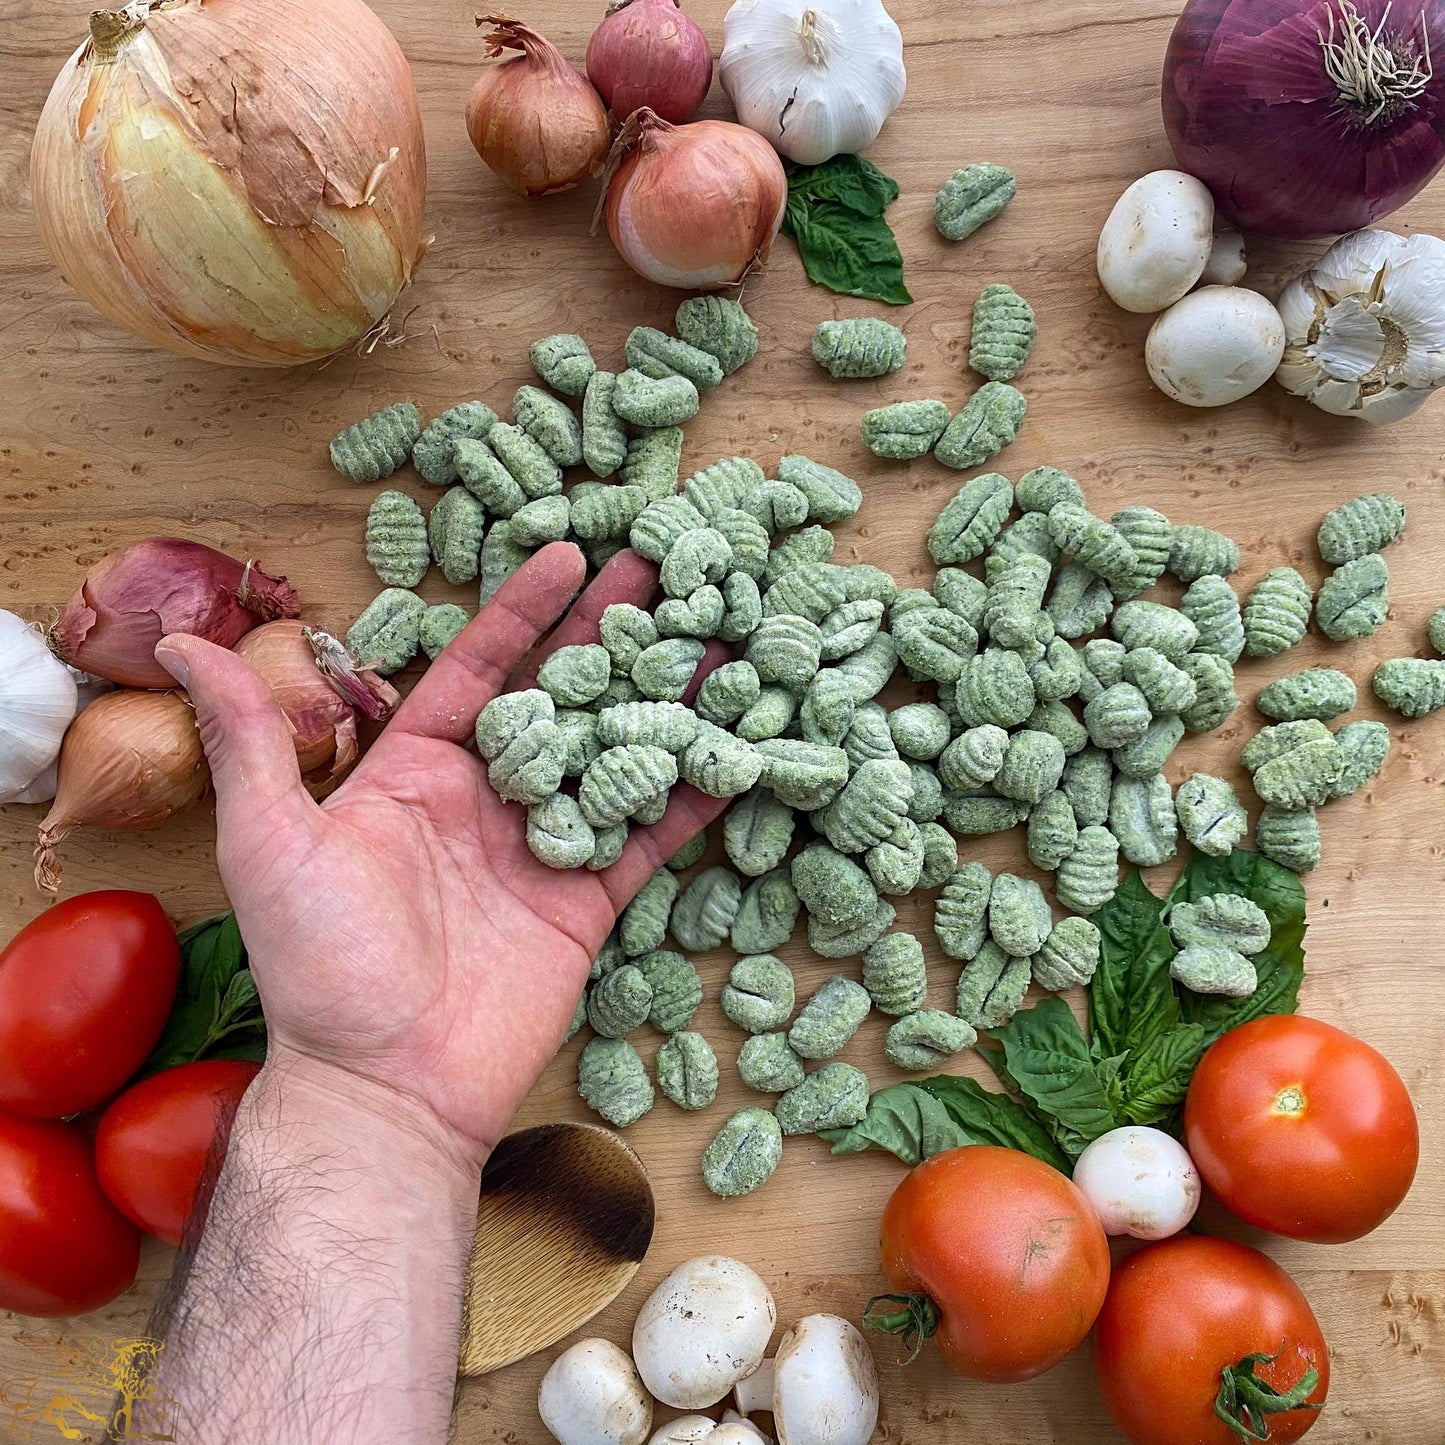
564 1221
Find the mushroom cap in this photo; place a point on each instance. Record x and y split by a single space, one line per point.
1141 1182
825 1389
1216 345
1156 242
685 1430
704 1328
592 1395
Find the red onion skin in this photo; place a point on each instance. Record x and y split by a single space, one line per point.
1251 111
131 599
649 53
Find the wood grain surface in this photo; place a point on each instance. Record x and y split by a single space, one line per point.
104 440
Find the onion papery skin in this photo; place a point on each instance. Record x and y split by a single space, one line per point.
242 181
133 598
131 760
694 206
650 53
1251 110
322 722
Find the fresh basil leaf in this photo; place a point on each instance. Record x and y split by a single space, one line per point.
905 1121
188 936
1159 1075
850 180
993 1118
1131 997
1051 1065
1280 966
241 999
851 254
230 951
253 1051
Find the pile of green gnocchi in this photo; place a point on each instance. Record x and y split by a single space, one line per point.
1058 696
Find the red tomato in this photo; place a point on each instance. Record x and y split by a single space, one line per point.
1009 1257
153 1142
1182 1312
1302 1129
85 990
63 1247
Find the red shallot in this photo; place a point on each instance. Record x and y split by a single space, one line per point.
130 760
648 52
131 599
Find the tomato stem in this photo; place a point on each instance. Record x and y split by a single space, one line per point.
915 1322
1245 1401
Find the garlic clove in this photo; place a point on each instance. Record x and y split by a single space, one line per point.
1351 341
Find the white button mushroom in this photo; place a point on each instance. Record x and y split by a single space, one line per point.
822 1386
685 1430
1226 265
704 1328
1157 241
592 1395
1140 1181
1216 345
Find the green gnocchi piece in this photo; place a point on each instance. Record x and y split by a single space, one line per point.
626 632
1361 526
864 582
484 476
1080 602
934 643
828 708
1411 686
386 636
396 540
557 833
767 1063
1069 956
1151 535
1045 488
833 1097
870 807
372 449
704 911
1214 695
1058 720
646 401
927 1039
992 418
1288 837
654 460
1354 599
1317 692
664 671
974 758
666 725
995 687
868 738
455 530
1224 918
719 326
1300 767
940 855
920 730
1147 755
849 940
661 523
1087 783
613 1081
643 925
1103 666
507 717
829 1019
770 716
723 486
927 801
609 845
1119 716
622 780
619 1002
1151 624
1214 969
440 626
815 591
906 430
785 649
1089 877
563 362
536 471
1276 612
1018 915
960 592
759 994
832 497
1212 606
528 769
698 616
801 774
960 917
1029 536
579 1017
547 519
974 814
1096 543
1165 687
1273 742
776 506
1364 747
1053 831
658 355
767 915
860 346
895 974
605 446
1435 630
720 764
743 1154
757 833
605 514
1032 766
848 627
676 989
610 956
991 987
1200 552
574 676
748 539
742 608
1142 818
689 854
728 692
1058 674
694 559
1003 333
971 197
687 1071
1016 588
832 887
434 452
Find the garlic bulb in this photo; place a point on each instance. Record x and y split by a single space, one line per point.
817 77
1365 327
37 702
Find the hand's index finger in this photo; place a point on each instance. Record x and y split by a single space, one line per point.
475 666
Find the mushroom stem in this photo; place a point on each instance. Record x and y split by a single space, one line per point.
755 1393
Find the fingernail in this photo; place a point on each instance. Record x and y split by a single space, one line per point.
174 663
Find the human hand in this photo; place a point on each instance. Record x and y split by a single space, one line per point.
401 932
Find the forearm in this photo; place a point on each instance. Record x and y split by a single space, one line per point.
324 1299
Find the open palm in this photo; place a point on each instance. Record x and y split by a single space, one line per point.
402 930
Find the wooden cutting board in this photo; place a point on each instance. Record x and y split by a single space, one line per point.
104 441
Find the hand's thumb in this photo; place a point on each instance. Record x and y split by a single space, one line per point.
245 734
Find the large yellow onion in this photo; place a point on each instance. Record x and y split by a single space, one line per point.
241 180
